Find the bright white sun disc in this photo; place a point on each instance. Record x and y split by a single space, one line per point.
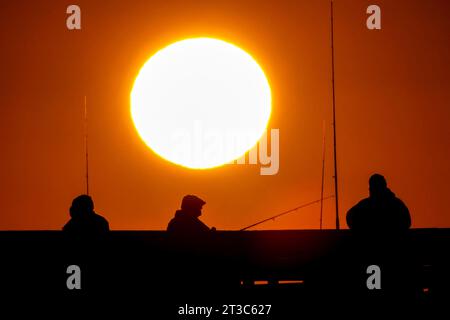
201 102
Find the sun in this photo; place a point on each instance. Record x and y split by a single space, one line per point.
201 102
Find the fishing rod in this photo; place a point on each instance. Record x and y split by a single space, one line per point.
286 212
323 148
334 122
86 145
323 173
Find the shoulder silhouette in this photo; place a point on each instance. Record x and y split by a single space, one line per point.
186 221
84 220
381 211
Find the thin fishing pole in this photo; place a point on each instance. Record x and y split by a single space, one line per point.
334 123
86 145
323 173
285 212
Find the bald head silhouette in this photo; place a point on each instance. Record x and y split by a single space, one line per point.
381 211
377 185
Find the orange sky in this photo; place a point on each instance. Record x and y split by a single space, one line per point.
392 93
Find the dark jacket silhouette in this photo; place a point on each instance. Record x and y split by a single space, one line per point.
381 211
191 244
186 221
84 220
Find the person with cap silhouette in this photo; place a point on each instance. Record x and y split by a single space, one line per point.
84 220
191 244
186 221
381 211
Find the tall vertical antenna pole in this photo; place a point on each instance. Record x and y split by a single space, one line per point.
323 173
86 145
334 123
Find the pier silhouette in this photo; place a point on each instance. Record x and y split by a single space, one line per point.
284 266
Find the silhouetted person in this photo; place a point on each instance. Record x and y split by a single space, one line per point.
84 221
191 244
381 211
186 221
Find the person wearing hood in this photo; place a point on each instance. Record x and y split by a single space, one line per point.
186 221
84 221
381 211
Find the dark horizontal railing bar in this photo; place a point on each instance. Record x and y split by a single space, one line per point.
136 259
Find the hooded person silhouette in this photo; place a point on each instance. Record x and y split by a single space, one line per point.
186 221
381 211
84 220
